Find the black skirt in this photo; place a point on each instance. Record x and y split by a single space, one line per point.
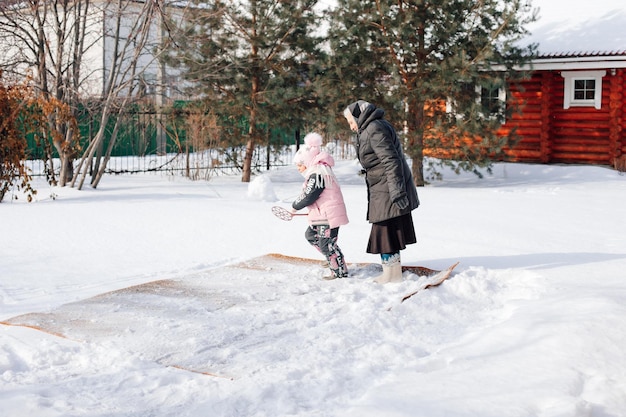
391 236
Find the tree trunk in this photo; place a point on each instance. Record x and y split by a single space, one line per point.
85 161
247 162
417 170
95 179
415 132
67 155
254 90
67 169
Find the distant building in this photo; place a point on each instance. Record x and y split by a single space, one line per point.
574 104
153 78
573 110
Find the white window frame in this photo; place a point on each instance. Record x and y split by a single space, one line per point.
568 88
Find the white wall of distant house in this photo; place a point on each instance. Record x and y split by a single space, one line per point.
99 49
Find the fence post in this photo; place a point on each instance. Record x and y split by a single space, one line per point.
268 152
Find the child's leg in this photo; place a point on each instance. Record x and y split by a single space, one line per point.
313 237
328 246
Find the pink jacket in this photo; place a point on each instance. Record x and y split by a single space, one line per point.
329 207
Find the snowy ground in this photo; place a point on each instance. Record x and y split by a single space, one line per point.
531 324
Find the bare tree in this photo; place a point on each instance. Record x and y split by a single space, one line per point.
131 29
45 39
79 50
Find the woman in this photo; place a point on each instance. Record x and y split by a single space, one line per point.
391 192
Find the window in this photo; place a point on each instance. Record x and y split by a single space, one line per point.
492 99
582 89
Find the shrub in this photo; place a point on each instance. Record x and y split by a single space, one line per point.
14 104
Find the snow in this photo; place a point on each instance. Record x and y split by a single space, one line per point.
531 323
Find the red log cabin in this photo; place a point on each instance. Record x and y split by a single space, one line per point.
573 110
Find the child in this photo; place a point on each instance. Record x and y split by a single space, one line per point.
322 195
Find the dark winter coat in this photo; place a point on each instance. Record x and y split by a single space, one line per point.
387 173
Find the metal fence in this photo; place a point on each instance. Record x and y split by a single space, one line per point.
205 164
164 143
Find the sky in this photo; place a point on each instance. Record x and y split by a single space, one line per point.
575 10
152 295
577 25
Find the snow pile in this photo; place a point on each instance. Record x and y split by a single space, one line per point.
261 188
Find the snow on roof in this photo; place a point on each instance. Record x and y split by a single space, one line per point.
583 54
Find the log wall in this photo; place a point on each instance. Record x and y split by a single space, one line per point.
551 134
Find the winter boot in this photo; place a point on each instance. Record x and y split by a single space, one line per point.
337 265
340 272
392 268
334 274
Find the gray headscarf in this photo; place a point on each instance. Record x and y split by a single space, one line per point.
356 108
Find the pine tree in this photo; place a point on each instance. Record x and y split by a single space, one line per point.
251 62
428 63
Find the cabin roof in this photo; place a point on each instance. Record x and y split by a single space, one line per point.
583 54
585 60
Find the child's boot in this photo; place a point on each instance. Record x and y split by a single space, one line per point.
338 268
